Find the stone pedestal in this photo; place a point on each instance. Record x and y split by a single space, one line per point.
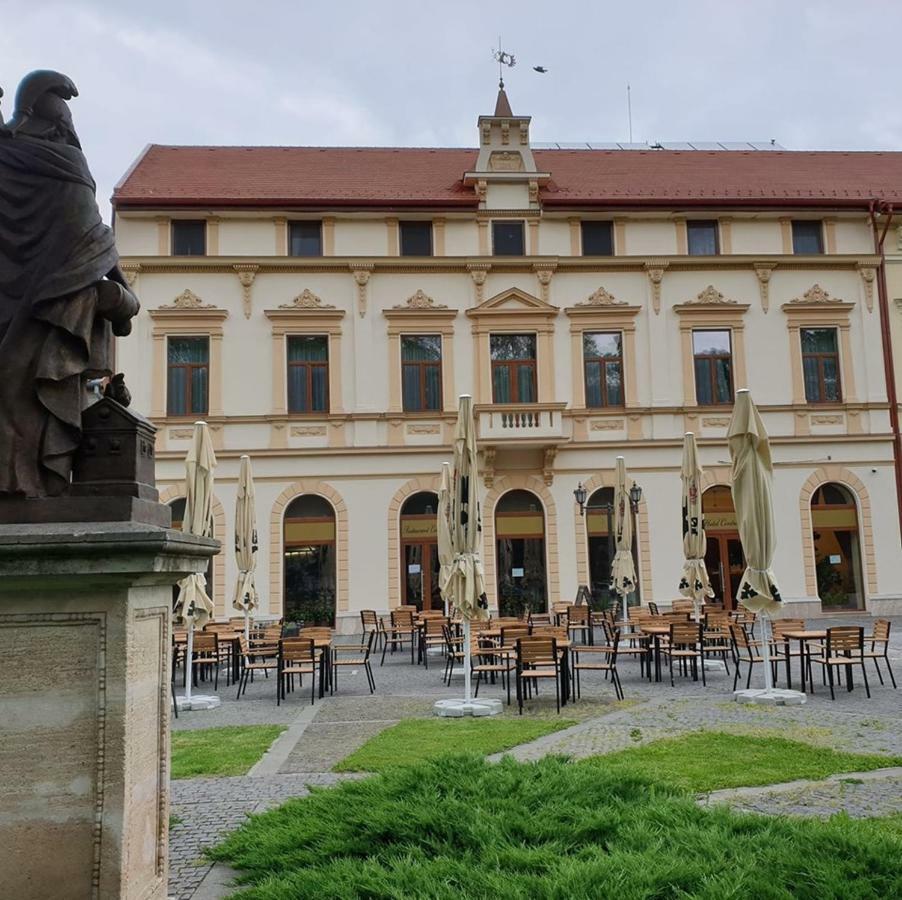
85 704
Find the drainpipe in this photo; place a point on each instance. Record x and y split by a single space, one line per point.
876 208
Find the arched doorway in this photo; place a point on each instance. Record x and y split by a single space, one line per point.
177 508
309 561
520 553
724 558
600 534
419 551
837 552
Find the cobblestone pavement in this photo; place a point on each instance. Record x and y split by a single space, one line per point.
209 808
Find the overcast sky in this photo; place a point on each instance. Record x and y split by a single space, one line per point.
395 72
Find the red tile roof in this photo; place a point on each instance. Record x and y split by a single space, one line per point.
167 176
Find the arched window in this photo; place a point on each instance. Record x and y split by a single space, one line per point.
419 551
309 560
520 553
837 548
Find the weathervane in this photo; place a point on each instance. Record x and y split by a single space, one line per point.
503 58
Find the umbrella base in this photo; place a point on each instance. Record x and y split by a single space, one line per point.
197 701
456 709
773 697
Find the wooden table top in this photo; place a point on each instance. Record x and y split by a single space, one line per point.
654 629
805 635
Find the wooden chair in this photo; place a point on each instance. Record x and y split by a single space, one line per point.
297 656
510 634
539 618
432 634
204 656
254 661
579 622
491 661
717 636
779 648
537 659
597 659
682 606
844 647
745 650
402 630
357 655
638 646
454 652
880 635
687 645
653 608
372 622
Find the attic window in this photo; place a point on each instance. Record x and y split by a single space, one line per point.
508 239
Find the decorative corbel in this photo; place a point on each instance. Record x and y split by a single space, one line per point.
763 271
655 270
478 272
361 275
533 191
488 466
548 465
544 271
505 132
131 272
246 273
868 274
486 133
482 189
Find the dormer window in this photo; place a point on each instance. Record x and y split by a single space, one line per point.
416 238
598 238
508 238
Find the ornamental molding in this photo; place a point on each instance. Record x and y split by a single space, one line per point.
601 298
607 425
246 273
131 272
307 300
710 296
544 273
188 300
868 275
763 271
478 272
361 275
655 270
827 420
815 295
420 300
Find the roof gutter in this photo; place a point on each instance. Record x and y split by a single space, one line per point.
882 208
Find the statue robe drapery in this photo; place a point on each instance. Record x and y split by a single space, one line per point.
54 249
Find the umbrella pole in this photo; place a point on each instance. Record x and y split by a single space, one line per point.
466 660
765 652
247 625
189 653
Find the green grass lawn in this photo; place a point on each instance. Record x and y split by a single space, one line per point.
415 740
458 827
710 760
220 751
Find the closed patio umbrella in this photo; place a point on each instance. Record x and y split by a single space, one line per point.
623 569
694 583
752 478
246 599
443 532
464 579
193 603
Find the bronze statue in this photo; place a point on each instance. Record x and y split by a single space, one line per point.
62 293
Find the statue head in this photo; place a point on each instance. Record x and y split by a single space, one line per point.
41 110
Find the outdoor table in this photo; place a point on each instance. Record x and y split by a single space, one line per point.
656 632
324 646
804 637
563 645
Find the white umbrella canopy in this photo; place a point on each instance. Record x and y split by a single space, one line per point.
694 582
753 488
445 548
245 599
623 569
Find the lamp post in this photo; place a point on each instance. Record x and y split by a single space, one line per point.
580 494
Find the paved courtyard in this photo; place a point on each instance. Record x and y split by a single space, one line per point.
319 736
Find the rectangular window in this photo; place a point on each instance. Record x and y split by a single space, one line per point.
513 368
189 237
421 372
603 366
305 239
598 238
308 373
507 239
416 238
807 236
713 367
187 376
702 238
820 364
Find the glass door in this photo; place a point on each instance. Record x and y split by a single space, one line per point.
420 576
725 563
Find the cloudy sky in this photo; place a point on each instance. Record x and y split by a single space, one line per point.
397 72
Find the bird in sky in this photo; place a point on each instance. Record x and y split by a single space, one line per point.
540 69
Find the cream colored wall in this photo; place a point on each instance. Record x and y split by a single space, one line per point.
651 236
361 237
854 236
247 237
461 238
554 237
756 236
136 236
507 196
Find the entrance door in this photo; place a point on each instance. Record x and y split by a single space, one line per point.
520 554
421 570
725 563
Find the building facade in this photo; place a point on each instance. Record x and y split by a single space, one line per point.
323 308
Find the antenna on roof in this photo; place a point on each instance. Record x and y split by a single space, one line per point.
629 111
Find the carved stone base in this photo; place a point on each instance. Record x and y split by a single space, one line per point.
84 706
40 510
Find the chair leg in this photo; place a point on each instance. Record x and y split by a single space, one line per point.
864 674
701 662
889 669
877 667
830 679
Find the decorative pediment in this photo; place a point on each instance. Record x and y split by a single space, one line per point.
511 302
188 300
420 300
601 298
815 295
306 300
710 296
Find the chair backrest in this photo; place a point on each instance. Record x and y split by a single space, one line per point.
410 607
316 632
206 642
717 618
674 616
653 607
558 632
842 638
297 650
435 625
539 618
740 638
369 619
682 606
578 615
536 650
685 634
506 621
510 634
610 630
402 617
781 626
881 629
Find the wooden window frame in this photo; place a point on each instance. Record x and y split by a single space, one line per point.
402 224
696 222
711 359
422 367
310 366
522 225
604 362
293 223
189 367
821 239
582 236
512 365
821 357
175 223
